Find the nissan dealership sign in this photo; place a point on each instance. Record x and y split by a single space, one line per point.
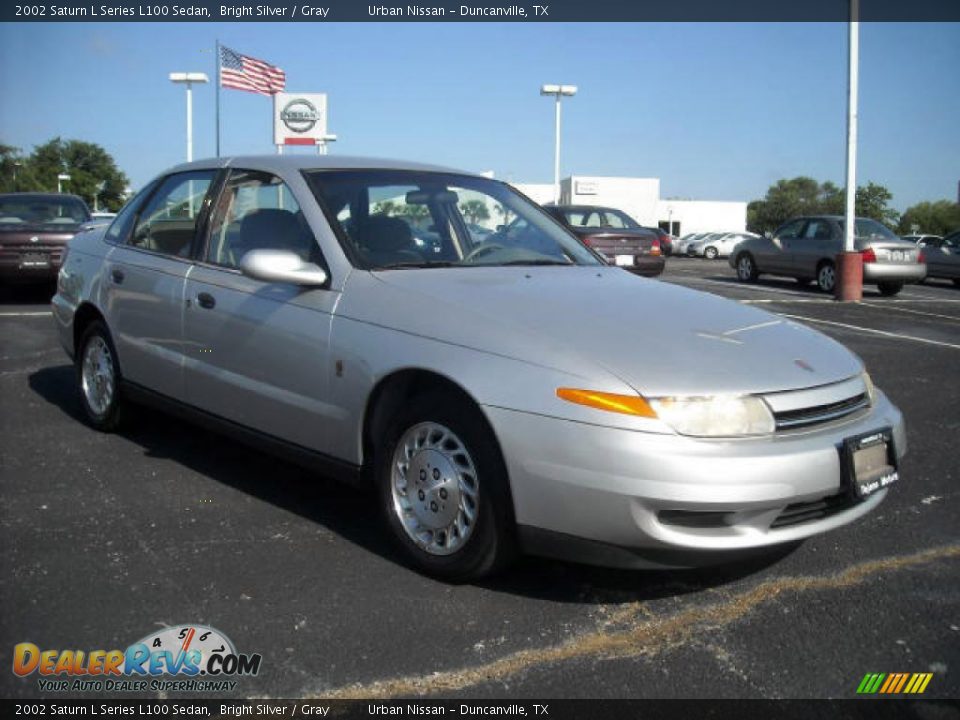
299 118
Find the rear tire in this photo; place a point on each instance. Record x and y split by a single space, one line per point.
746 268
99 379
443 489
889 289
827 277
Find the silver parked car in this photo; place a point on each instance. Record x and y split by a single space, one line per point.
500 393
806 248
718 245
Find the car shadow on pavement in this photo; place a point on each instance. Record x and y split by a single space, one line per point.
27 293
348 512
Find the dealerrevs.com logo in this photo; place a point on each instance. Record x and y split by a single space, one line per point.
191 658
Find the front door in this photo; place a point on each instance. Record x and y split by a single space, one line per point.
257 352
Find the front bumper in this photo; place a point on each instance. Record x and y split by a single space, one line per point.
625 489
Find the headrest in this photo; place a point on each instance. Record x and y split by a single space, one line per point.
380 233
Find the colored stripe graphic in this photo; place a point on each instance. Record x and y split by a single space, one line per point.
894 683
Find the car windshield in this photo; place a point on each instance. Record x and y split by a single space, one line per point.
27 210
867 228
410 219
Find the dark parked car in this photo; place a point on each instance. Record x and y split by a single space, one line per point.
806 248
943 257
614 235
34 230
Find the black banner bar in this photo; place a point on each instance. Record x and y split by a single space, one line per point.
542 709
478 11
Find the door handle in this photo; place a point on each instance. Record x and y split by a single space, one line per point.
206 300
117 275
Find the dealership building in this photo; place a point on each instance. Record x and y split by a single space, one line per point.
640 198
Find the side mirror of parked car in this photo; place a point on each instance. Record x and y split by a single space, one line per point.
768 235
282 266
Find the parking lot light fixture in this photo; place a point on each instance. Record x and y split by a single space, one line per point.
188 79
61 179
557 91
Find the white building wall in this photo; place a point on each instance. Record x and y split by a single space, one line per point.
638 197
703 215
540 193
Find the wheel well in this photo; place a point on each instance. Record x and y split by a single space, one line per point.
392 391
84 315
825 261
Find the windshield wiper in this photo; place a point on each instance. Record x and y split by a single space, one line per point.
536 262
414 264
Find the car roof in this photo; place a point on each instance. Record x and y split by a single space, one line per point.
281 163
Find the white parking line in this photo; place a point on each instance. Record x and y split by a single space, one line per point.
912 312
873 331
754 288
38 313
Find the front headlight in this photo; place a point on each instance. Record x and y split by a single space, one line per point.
719 416
714 416
871 388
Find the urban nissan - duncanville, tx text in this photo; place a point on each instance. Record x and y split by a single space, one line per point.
501 392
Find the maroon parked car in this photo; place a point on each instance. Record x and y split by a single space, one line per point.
614 235
34 230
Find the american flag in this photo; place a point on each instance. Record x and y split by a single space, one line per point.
242 72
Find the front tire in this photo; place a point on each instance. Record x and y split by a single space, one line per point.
889 289
827 277
710 253
443 489
98 377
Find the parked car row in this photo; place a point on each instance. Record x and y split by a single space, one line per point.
712 245
943 256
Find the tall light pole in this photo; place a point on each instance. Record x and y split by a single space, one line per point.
188 79
557 91
61 179
849 280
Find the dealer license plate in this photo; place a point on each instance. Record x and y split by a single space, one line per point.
898 255
34 260
624 259
870 462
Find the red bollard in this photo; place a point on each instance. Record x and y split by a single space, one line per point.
849 287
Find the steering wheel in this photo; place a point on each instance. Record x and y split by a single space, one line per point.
481 250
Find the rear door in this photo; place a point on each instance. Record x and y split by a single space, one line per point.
144 282
257 352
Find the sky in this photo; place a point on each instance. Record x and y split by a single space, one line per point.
717 111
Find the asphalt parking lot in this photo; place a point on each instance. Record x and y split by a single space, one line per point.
107 538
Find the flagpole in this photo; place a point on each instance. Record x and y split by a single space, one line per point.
218 96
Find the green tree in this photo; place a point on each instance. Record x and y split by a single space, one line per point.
475 211
94 175
937 218
385 207
16 174
805 196
415 213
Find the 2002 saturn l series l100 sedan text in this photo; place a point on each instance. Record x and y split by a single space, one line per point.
500 385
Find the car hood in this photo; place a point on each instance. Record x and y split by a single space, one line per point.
661 339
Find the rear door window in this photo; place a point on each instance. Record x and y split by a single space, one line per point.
168 222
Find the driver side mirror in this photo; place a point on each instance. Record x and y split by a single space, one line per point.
768 235
282 266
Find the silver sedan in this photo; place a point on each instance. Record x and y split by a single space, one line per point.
718 245
498 392
806 249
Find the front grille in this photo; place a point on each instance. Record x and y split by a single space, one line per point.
804 512
804 417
